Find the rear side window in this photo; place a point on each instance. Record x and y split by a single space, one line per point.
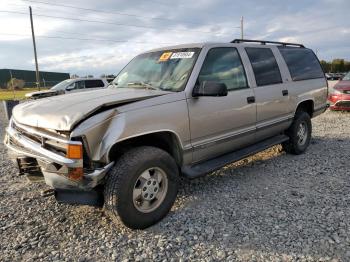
264 65
224 65
93 83
302 63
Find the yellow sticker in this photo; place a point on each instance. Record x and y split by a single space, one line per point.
165 57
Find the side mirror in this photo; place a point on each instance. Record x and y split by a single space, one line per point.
210 88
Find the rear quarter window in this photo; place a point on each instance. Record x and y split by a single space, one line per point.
302 63
264 65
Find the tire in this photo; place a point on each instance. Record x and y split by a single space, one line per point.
296 145
125 194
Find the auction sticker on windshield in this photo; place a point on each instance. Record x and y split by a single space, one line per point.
165 56
182 55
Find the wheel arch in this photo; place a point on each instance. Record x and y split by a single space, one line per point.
166 140
306 106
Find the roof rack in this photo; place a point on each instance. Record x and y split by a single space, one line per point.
263 42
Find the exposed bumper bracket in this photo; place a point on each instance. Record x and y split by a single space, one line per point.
91 198
94 178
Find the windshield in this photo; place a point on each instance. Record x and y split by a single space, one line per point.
164 70
347 76
62 85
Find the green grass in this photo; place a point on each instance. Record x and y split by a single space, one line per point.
16 95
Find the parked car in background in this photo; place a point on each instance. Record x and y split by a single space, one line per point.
70 86
334 76
110 78
339 76
329 76
180 110
339 98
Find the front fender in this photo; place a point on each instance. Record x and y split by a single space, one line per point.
103 131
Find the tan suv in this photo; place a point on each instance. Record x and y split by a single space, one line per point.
182 110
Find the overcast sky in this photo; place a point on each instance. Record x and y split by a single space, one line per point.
323 25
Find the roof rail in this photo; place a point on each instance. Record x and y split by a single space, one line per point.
263 42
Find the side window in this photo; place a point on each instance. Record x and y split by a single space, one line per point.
302 63
224 65
79 85
93 83
264 65
70 86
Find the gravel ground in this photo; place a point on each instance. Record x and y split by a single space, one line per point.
269 207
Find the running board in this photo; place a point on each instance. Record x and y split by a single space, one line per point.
209 166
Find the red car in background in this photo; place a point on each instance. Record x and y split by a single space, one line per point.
339 98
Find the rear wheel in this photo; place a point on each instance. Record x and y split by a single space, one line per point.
299 134
142 187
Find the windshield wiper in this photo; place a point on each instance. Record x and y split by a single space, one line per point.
142 85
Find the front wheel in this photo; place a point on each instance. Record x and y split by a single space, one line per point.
142 187
299 134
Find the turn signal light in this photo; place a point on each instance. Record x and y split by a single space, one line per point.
76 173
75 151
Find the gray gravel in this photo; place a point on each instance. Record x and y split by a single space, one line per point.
269 207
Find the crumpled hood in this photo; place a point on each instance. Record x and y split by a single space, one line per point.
63 112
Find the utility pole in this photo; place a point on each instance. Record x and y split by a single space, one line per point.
34 45
241 27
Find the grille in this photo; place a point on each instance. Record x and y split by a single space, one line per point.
14 143
35 138
45 143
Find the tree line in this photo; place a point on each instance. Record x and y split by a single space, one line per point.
336 66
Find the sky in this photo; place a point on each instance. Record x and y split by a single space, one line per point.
89 37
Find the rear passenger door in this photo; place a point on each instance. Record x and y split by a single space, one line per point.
222 124
271 93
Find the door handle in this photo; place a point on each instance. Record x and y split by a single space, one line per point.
251 99
284 92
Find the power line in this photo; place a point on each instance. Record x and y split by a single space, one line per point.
110 12
89 39
102 39
103 22
159 2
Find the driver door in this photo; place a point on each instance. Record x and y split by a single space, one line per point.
222 124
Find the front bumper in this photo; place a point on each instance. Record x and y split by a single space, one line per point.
20 144
54 166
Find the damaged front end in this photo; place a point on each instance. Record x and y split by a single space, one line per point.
60 160
63 139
